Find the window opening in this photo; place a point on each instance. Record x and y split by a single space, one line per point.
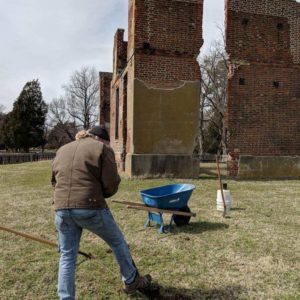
280 26
242 81
117 115
245 22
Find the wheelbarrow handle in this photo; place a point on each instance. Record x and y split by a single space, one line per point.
128 203
159 210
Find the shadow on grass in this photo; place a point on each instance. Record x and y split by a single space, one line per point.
170 293
237 208
266 180
207 177
199 227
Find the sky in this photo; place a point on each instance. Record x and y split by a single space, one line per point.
49 39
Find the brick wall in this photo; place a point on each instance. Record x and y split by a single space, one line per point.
118 100
105 82
265 119
257 38
118 127
263 43
288 9
166 36
119 53
164 40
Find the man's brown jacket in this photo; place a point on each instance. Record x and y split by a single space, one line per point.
84 173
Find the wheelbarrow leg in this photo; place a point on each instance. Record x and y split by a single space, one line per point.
161 223
158 219
161 229
147 224
170 224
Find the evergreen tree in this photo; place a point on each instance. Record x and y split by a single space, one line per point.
6 132
3 117
26 122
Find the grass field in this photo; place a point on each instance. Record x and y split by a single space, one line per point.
254 254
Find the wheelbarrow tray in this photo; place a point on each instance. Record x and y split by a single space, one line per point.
173 196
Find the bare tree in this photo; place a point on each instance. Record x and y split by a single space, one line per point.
81 98
60 120
57 111
214 70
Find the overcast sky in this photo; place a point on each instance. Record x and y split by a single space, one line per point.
49 39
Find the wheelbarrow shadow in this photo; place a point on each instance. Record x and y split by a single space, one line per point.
199 227
170 293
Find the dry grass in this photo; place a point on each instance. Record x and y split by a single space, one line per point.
254 254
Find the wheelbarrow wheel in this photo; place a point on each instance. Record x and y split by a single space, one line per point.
182 220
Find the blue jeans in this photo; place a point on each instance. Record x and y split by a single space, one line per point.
69 224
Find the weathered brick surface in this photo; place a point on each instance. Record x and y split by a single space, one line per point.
118 125
166 70
263 42
105 82
265 120
167 36
119 53
118 98
288 9
257 38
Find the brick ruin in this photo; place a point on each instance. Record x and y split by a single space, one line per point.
104 108
263 118
155 89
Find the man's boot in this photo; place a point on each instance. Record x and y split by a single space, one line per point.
140 283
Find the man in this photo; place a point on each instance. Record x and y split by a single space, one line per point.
84 173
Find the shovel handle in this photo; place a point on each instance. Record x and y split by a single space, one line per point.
221 185
38 239
159 210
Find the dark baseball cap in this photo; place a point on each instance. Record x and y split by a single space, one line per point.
100 131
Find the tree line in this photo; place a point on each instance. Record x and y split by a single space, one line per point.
34 124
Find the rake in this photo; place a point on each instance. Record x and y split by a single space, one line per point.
38 239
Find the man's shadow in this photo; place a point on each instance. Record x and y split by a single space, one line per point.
200 227
171 293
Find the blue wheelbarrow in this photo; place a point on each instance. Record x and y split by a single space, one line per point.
171 199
